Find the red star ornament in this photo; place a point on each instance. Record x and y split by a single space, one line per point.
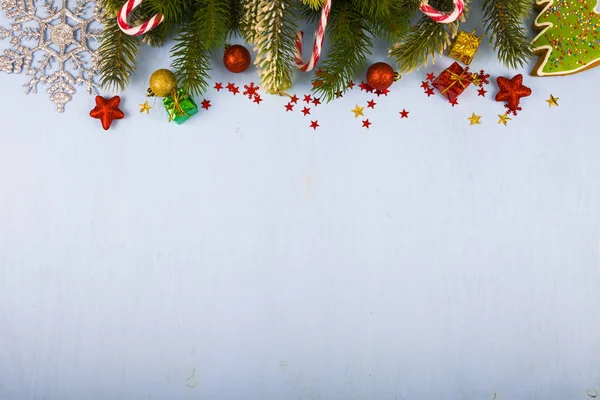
511 91
107 110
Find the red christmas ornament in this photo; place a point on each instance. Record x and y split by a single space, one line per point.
380 76
107 110
511 91
236 58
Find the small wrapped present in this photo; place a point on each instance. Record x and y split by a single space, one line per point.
453 81
464 47
180 106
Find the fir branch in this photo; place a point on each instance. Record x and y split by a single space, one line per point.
212 20
350 46
117 56
236 14
503 20
157 36
374 8
273 37
174 11
314 4
395 26
427 39
191 59
111 8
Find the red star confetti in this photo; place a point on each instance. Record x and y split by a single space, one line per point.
366 87
366 124
294 99
218 86
425 84
454 102
306 111
351 85
316 101
429 92
481 92
383 92
431 77
339 94
511 91
289 107
232 88
404 113
257 98
371 104
317 83
307 98
314 124
206 104
319 72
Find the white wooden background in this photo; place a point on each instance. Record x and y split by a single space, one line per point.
244 256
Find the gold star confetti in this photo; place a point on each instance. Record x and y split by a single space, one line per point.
552 101
358 111
475 119
145 107
503 119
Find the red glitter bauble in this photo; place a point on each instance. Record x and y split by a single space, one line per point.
380 76
236 58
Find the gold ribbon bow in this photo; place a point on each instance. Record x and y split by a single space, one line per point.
176 109
456 78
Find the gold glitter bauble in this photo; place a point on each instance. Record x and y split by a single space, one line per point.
163 82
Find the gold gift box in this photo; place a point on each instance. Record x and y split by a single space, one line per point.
464 47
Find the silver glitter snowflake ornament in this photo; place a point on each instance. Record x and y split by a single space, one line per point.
53 46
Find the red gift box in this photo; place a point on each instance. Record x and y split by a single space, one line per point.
453 81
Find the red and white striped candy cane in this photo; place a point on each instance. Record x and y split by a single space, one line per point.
319 36
139 29
459 7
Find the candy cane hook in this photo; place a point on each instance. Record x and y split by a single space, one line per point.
444 18
319 36
139 29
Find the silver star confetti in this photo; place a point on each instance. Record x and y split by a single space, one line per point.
52 46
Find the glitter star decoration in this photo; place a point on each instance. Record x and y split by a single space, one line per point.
107 110
55 47
475 119
145 107
503 119
552 101
511 91
358 111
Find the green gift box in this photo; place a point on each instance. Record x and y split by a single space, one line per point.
180 106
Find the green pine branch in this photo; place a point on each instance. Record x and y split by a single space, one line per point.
212 18
374 8
117 56
427 39
191 59
174 11
503 20
350 46
395 26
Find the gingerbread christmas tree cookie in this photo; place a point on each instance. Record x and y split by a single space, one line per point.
569 37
